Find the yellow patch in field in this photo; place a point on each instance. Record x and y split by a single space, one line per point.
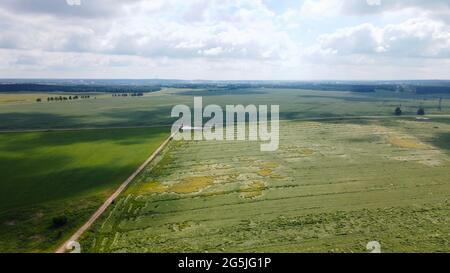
408 143
191 184
264 172
266 169
182 226
253 190
153 187
307 152
214 193
278 177
269 165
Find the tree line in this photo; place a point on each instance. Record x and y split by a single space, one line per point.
420 112
64 98
28 87
136 94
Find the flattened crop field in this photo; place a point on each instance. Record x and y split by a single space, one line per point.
333 186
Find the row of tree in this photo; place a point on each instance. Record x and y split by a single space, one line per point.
398 111
136 94
65 98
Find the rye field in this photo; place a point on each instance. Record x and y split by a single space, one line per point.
333 186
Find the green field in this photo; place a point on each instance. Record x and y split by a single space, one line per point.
332 187
154 108
49 174
347 172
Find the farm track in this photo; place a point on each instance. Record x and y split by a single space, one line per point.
111 199
169 125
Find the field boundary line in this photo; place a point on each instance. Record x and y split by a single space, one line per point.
363 117
5 131
81 129
110 199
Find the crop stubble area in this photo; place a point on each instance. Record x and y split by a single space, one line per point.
333 186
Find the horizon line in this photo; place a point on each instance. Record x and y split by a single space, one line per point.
205 80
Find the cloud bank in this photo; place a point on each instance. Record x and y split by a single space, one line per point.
234 39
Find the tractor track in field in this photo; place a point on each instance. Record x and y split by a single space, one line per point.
64 247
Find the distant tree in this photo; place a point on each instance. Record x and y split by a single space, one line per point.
59 221
398 111
38 100
421 111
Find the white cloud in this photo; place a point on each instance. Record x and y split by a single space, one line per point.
242 29
415 38
373 2
437 9
213 39
320 8
73 2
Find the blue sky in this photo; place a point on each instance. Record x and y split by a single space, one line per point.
226 39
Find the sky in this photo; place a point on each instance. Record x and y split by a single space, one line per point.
225 39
